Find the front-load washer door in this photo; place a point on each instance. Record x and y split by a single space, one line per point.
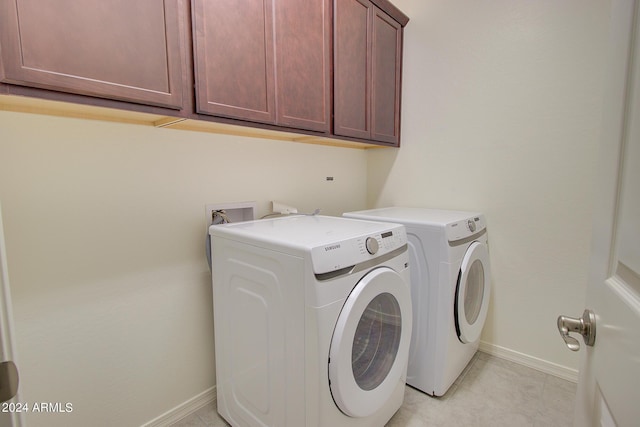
370 344
472 293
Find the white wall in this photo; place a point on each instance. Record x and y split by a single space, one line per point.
104 222
105 227
501 112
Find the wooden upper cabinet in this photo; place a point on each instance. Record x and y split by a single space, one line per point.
329 67
352 68
386 64
118 49
303 64
266 61
233 58
367 72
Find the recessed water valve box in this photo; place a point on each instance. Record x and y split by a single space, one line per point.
232 212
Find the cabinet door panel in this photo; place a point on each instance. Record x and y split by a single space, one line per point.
118 49
303 55
352 68
233 54
386 63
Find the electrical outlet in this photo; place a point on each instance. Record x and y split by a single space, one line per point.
277 207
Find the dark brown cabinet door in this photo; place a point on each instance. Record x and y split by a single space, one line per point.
386 51
264 60
303 63
233 56
119 49
367 72
352 68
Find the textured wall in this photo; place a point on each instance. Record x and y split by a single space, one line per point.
501 114
105 227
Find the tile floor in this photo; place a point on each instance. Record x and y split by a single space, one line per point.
491 392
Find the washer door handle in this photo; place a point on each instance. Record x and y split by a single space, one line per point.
585 326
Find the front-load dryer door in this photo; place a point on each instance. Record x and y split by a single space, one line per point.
472 293
370 344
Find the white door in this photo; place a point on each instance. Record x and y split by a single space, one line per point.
608 386
370 344
10 410
472 293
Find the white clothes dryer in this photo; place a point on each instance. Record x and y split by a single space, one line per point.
450 290
312 321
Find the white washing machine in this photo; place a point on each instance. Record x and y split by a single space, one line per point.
450 290
312 319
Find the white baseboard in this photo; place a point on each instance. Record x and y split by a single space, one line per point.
184 409
550 368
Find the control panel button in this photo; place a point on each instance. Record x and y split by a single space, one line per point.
472 225
372 245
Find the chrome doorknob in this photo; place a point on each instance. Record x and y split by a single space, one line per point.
8 380
585 326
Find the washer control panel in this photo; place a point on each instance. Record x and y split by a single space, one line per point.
462 229
350 252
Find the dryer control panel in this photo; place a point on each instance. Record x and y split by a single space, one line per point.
465 228
353 251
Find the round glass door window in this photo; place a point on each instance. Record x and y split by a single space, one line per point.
370 344
472 293
376 341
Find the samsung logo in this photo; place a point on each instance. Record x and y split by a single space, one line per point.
332 247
